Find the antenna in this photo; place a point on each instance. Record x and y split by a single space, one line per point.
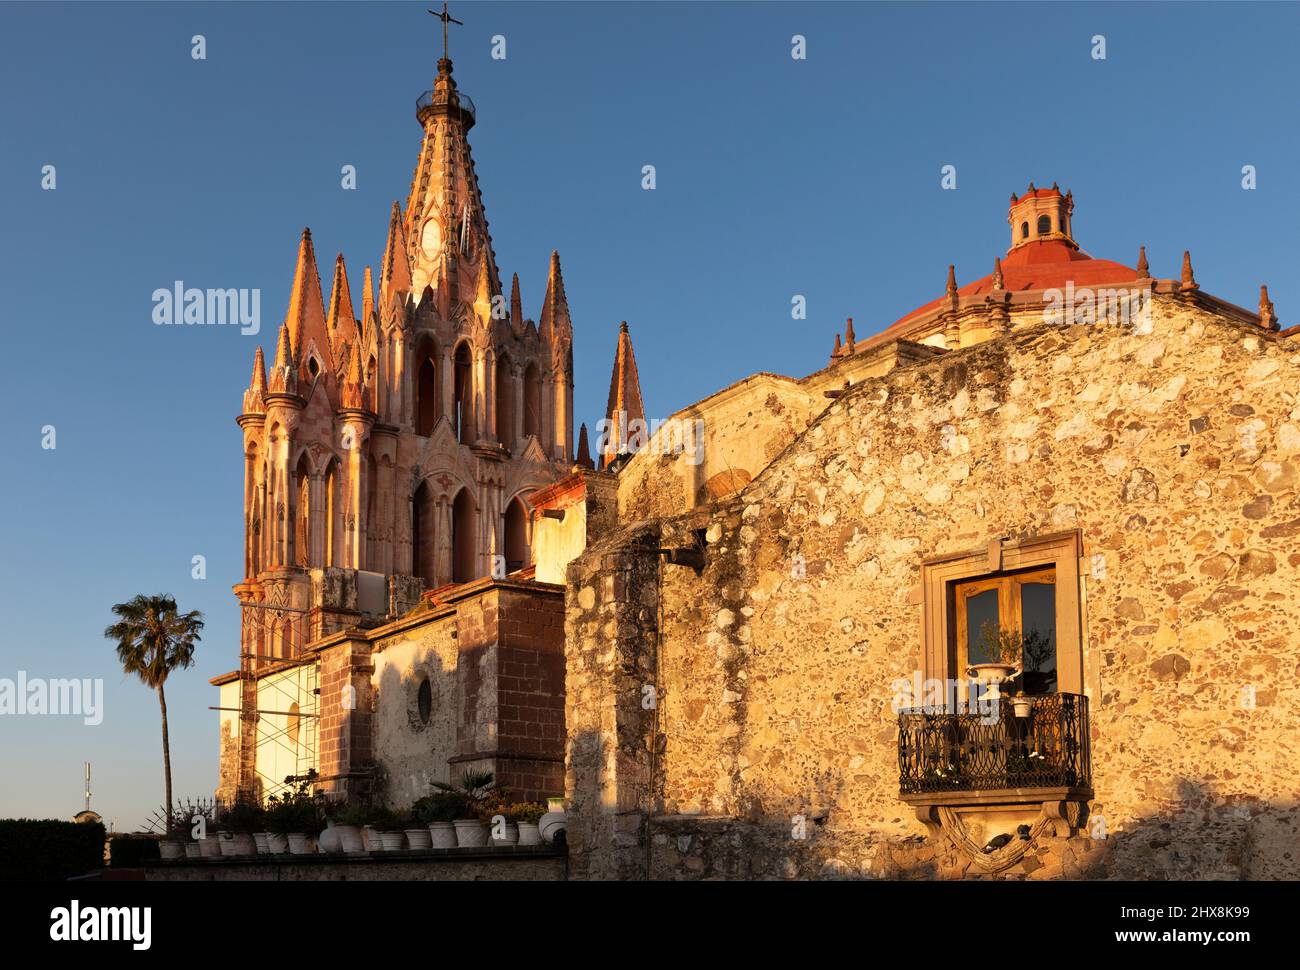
88 786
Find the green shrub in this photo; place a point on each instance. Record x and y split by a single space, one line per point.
132 852
440 807
49 850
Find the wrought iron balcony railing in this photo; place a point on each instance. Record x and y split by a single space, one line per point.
443 97
940 752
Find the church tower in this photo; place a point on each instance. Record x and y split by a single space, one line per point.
394 452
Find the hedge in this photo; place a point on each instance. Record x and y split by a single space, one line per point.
131 852
47 850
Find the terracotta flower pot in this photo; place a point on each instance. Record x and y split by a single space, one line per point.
442 835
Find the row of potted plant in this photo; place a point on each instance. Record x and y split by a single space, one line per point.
472 812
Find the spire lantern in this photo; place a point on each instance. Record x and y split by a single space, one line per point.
1041 215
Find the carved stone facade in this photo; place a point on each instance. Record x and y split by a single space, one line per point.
1150 464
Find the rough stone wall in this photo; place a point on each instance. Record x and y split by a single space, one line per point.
1177 456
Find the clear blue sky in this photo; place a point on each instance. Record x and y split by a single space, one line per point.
775 177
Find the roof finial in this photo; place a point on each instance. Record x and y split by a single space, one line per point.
1267 318
446 19
997 273
1143 271
837 350
952 280
1188 281
849 338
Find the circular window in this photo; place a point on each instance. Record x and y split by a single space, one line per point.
424 700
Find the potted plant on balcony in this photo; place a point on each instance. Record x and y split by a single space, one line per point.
437 811
238 823
388 824
348 820
1005 648
292 815
472 791
526 815
417 834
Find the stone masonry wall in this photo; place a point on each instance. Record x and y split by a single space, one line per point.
1175 453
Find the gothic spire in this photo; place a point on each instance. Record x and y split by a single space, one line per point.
395 275
584 449
306 316
284 372
516 306
1143 271
625 404
255 396
554 324
342 324
367 322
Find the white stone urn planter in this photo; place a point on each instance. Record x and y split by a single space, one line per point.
350 840
418 839
193 850
262 841
509 834
329 840
277 843
553 822
171 849
529 834
442 835
992 677
470 832
299 843
392 841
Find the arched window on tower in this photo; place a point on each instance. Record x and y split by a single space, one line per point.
331 510
1044 225
302 513
505 404
463 399
422 546
1024 230
532 402
464 563
426 389
517 548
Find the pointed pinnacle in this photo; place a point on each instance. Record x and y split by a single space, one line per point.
952 280
258 382
1188 278
584 449
849 337
516 304
1143 271
997 273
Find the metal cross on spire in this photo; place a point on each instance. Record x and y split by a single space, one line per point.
446 19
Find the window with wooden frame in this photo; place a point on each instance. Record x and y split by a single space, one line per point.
1020 605
1031 586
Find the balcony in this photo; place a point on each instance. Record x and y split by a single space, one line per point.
969 758
448 100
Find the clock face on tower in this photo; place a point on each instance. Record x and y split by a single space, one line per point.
431 239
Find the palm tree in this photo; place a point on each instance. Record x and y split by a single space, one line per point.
152 641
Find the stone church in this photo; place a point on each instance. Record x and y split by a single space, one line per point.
766 659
